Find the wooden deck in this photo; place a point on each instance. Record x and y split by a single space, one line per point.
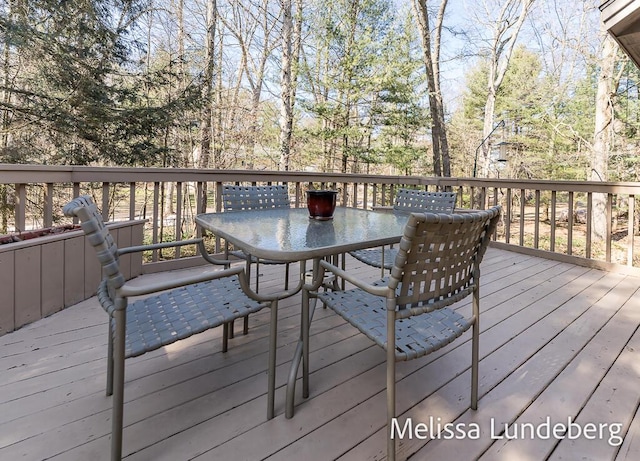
558 341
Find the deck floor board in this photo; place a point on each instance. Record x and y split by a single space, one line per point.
557 341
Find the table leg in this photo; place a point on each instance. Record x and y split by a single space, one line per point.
302 349
306 320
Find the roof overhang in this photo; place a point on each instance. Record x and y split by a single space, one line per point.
621 19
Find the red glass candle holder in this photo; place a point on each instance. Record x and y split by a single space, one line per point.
321 204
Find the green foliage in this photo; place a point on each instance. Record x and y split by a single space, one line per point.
368 103
546 131
80 89
78 86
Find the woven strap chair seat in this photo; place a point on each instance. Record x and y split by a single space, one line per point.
176 314
373 257
415 336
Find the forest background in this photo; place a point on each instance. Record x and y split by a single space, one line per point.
367 86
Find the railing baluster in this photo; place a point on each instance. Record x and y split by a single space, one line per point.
609 216
20 199
354 202
105 201
631 230
495 202
132 200
507 218
522 210
552 237
570 225
178 223
76 193
589 224
48 205
365 196
156 216
298 194
536 226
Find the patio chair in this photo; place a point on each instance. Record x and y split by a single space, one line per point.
437 265
192 304
407 200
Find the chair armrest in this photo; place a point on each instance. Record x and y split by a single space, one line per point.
157 246
128 289
465 210
372 289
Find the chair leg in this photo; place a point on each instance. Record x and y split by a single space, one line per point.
273 344
118 391
230 330
286 276
475 349
257 275
247 269
110 359
245 324
474 367
225 336
391 385
304 331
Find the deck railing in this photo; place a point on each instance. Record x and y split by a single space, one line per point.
549 217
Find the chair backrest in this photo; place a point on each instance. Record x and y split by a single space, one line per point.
237 198
421 200
99 237
438 259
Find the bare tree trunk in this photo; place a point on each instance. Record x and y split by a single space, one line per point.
285 86
6 95
431 57
205 122
505 34
607 86
6 121
218 119
181 135
287 90
176 133
207 112
253 26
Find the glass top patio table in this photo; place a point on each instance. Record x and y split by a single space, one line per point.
290 235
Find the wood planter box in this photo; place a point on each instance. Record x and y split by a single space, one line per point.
43 275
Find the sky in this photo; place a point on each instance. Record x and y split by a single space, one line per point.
550 25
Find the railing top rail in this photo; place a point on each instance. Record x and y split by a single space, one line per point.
24 174
29 174
545 185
